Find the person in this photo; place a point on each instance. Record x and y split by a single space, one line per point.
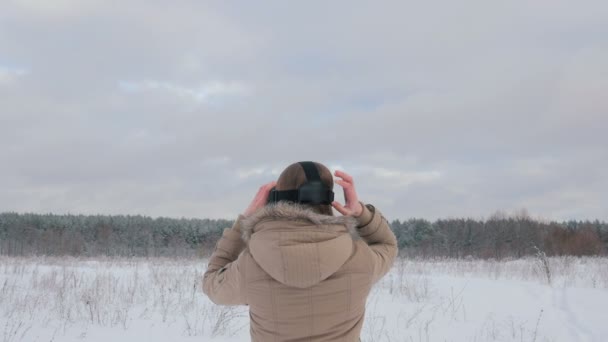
304 273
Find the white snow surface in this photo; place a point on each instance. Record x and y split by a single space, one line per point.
136 299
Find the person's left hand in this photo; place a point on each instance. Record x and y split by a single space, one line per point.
260 199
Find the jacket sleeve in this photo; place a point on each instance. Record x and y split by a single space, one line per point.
375 231
224 279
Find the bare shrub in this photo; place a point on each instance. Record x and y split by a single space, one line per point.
544 264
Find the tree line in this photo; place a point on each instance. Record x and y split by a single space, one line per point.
112 235
499 236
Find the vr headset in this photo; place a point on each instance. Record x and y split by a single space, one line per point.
311 192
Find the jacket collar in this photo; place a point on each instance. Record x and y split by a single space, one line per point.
290 211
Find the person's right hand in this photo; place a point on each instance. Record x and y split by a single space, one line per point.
352 207
260 198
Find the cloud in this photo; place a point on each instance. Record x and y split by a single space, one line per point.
185 110
248 173
55 7
200 94
400 178
11 74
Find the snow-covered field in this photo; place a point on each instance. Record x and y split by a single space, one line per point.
113 299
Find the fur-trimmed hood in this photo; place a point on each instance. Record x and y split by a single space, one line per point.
288 211
297 246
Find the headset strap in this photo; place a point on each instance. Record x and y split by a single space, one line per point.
312 174
286 195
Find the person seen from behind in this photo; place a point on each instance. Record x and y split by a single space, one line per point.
304 273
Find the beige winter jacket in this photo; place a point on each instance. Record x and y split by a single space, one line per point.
305 276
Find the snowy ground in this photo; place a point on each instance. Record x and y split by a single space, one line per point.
67 299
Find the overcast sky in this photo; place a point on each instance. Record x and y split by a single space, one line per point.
184 108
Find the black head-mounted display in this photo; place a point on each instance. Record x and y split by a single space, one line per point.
314 191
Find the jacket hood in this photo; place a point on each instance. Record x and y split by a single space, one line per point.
297 246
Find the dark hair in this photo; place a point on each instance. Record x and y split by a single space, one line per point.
294 176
